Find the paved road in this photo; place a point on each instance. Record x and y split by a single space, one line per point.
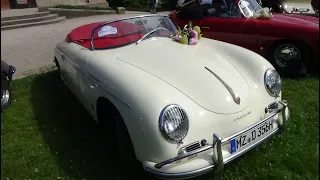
31 48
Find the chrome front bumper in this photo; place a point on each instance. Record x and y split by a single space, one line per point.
218 166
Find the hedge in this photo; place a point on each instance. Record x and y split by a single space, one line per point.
64 6
142 5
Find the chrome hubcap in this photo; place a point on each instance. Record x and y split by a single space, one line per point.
5 96
285 54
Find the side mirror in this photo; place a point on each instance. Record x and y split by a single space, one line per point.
210 12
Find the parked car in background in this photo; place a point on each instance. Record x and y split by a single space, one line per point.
302 7
7 72
178 110
289 41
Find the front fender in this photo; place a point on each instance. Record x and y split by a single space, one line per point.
140 97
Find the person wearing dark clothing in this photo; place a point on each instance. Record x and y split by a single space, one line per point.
153 5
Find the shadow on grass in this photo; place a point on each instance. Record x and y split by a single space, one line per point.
70 132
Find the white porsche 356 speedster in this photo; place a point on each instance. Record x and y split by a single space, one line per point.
180 110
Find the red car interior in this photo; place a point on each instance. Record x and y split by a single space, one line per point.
126 33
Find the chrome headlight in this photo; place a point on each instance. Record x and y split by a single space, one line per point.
173 123
272 82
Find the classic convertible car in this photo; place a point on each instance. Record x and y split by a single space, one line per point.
178 110
284 39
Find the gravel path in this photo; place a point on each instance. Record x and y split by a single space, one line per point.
31 48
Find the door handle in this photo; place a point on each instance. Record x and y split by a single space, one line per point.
205 27
63 57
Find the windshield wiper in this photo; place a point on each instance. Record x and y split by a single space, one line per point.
151 32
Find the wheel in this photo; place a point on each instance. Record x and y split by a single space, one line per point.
112 125
290 58
59 70
5 92
126 152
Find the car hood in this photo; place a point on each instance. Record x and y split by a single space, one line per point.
291 20
298 17
183 67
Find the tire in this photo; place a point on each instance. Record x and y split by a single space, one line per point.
289 58
112 125
127 157
59 70
5 92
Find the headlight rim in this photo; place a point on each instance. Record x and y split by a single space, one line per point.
161 123
265 84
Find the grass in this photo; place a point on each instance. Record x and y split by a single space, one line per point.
46 134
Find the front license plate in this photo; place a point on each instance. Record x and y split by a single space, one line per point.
251 136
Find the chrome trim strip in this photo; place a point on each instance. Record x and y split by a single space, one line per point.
235 97
216 168
188 174
219 161
93 77
121 19
217 144
163 163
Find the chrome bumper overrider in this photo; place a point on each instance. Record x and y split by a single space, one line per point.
218 166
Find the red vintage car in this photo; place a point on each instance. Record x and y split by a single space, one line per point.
283 39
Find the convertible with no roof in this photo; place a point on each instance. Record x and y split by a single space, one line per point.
178 104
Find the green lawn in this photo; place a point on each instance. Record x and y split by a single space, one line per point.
47 134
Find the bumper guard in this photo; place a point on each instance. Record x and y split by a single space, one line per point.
218 166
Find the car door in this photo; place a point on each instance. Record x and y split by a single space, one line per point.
65 59
228 25
88 87
82 84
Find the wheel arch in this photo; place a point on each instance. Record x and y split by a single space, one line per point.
286 40
104 103
109 108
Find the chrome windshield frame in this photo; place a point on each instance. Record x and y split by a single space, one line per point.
117 20
241 10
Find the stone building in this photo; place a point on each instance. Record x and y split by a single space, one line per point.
12 4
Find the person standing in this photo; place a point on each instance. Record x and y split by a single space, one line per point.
153 6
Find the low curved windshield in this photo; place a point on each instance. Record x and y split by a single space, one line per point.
248 7
130 30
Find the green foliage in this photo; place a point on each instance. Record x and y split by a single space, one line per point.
197 28
130 5
142 5
184 39
66 6
263 13
185 33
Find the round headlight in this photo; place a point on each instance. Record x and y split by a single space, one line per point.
272 82
173 123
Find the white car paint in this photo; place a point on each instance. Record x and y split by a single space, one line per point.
140 80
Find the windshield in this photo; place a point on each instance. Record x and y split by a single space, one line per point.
247 7
130 30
